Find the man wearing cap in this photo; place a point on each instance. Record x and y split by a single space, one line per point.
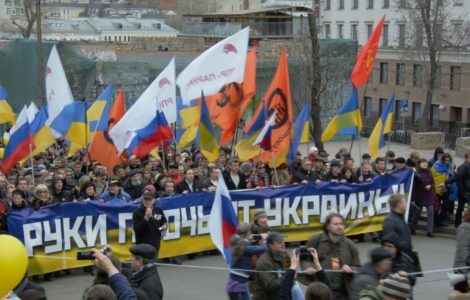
370 273
305 173
188 185
393 287
100 181
267 285
115 194
399 165
145 274
334 175
318 165
260 222
149 222
389 160
134 185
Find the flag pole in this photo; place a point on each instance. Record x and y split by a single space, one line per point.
32 161
275 169
361 106
163 154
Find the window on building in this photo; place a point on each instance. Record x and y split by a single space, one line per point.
340 31
417 75
382 105
455 114
115 38
455 73
340 4
355 4
370 4
384 73
369 28
397 115
354 32
367 107
419 36
7 2
401 35
385 35
434 118
400 74
386 3
327 31
437 78
328 5
402 3
416 113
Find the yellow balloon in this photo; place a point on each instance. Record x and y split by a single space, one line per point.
2 152
13 263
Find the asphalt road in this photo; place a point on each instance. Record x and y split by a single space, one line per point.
181 282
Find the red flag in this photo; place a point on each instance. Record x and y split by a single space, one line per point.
277 99
227 106
366 57
102 149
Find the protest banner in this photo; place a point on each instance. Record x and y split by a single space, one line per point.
53 234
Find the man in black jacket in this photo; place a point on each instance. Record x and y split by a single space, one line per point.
395 222
462 177
305 173
145 274
234 179
148 222
188 185
134 184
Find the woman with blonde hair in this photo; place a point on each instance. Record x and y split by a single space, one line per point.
42 197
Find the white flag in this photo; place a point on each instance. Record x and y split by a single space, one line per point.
32 111
161 93
217 66
58 91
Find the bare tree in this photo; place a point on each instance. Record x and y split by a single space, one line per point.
435 19
26 27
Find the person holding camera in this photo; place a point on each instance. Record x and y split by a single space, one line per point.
245 245
315 291
149 222
336 252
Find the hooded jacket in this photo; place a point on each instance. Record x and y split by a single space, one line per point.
148 280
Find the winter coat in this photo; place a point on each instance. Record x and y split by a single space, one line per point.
267 285
120 197
148 280
288 283
462 251
395 222
301 175
231 185
371 293
421 196
184 186
402 261
244 262
147 232
344 249
329 177
61 197
121 287
367 277
135 191
462 177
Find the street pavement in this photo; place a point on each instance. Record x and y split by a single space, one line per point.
181 282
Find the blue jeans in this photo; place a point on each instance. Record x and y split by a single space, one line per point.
239 296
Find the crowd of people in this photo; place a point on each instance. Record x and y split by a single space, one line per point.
261 268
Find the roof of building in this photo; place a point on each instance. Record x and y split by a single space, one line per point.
282 9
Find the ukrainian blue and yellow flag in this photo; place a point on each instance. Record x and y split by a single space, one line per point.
42 135
384 126
76 134
208 144
97 113
187 122
301 132
6 113
245 148
346 121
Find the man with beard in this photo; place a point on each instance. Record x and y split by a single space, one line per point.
134 185
144 271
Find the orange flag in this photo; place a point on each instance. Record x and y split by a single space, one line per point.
227 106
277 98
102 149
366 57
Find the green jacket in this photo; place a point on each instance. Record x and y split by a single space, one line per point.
371 293
267 285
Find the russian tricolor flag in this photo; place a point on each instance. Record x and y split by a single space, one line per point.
18 146
223 221
151 136
264 137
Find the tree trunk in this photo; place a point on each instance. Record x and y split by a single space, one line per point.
425 11
316 83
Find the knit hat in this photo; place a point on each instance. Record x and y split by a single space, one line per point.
379 254
259 213
335 163
313 150
150 188
392 238
396 286
274 237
